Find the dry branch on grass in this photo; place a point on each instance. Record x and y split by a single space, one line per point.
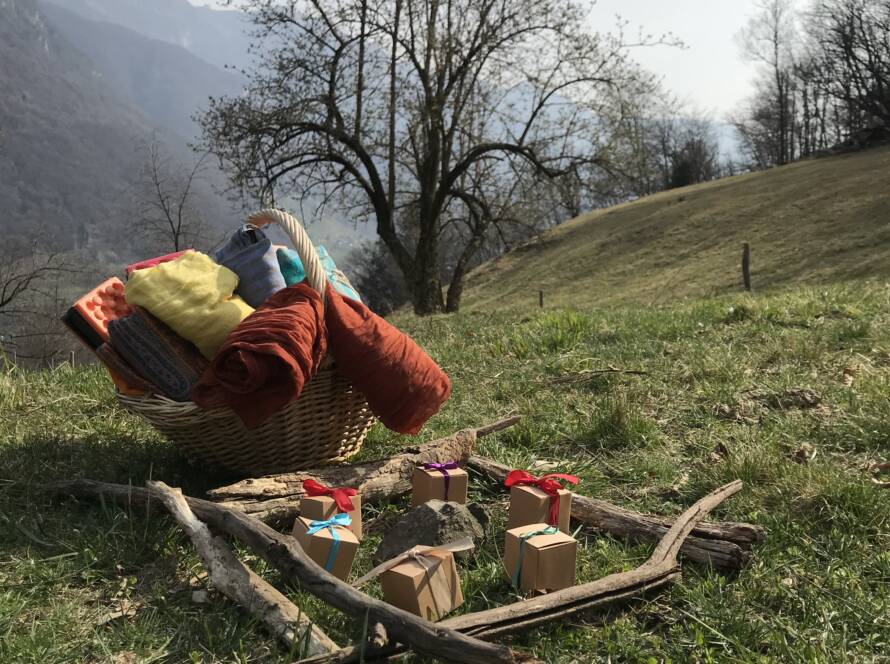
724 545
284 553
660 569
240 584
275 499
392 630
449 639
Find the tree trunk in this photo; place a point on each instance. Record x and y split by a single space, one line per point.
456 287
427 294
426 286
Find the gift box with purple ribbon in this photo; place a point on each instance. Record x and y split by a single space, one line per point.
443 481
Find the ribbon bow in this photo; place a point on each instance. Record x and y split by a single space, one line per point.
549 484
331 524
417 553
443 468
523 538
341 495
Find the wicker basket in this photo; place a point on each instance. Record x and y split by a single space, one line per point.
327 424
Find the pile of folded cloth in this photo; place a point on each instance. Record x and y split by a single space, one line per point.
243 330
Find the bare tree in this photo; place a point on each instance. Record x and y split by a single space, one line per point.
767 127
166 213
29 281
852 42
415 113
24 272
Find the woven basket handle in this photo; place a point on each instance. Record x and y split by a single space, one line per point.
315 274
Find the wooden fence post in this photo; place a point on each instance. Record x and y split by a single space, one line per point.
746 265
541 299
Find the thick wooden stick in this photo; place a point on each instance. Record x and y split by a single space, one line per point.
285 554
723 545
275 499
240 584
659 569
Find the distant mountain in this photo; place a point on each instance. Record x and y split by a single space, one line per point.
166 82
217 37
84 83
66 140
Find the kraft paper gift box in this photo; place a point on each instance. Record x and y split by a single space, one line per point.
529 504
426 585
324 502
539 557
431 482
329 543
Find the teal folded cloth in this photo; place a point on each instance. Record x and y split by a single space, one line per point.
250 255
291 268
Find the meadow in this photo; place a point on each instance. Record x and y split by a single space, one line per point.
787 391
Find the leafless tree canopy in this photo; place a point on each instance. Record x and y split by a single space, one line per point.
434 118
29 284
166 214
825 78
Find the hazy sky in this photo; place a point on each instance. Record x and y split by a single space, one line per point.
710 74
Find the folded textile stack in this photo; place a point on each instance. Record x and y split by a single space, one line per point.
293 271
250 255
157 353
194 296
267 359
242 334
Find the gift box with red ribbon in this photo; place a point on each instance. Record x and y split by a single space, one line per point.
322 502
539 499
443 481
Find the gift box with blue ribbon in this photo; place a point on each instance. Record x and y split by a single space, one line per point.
329 542
540 557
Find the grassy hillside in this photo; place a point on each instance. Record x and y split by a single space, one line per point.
718 401
819 221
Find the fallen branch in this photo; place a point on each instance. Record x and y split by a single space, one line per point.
275 499
240 584
283 553
660 569
724 545
587 374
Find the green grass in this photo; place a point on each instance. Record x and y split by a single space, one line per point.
714 404
814 222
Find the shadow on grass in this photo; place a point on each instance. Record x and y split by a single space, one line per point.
124 459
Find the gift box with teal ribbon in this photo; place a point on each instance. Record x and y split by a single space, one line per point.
330 543
540 557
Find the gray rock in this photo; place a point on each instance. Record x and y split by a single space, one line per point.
433 523
482 512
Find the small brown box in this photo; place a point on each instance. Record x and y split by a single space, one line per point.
318 546
548 561
430 485
529 504
430 593
320 508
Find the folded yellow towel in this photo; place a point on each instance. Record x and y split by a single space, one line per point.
192 295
